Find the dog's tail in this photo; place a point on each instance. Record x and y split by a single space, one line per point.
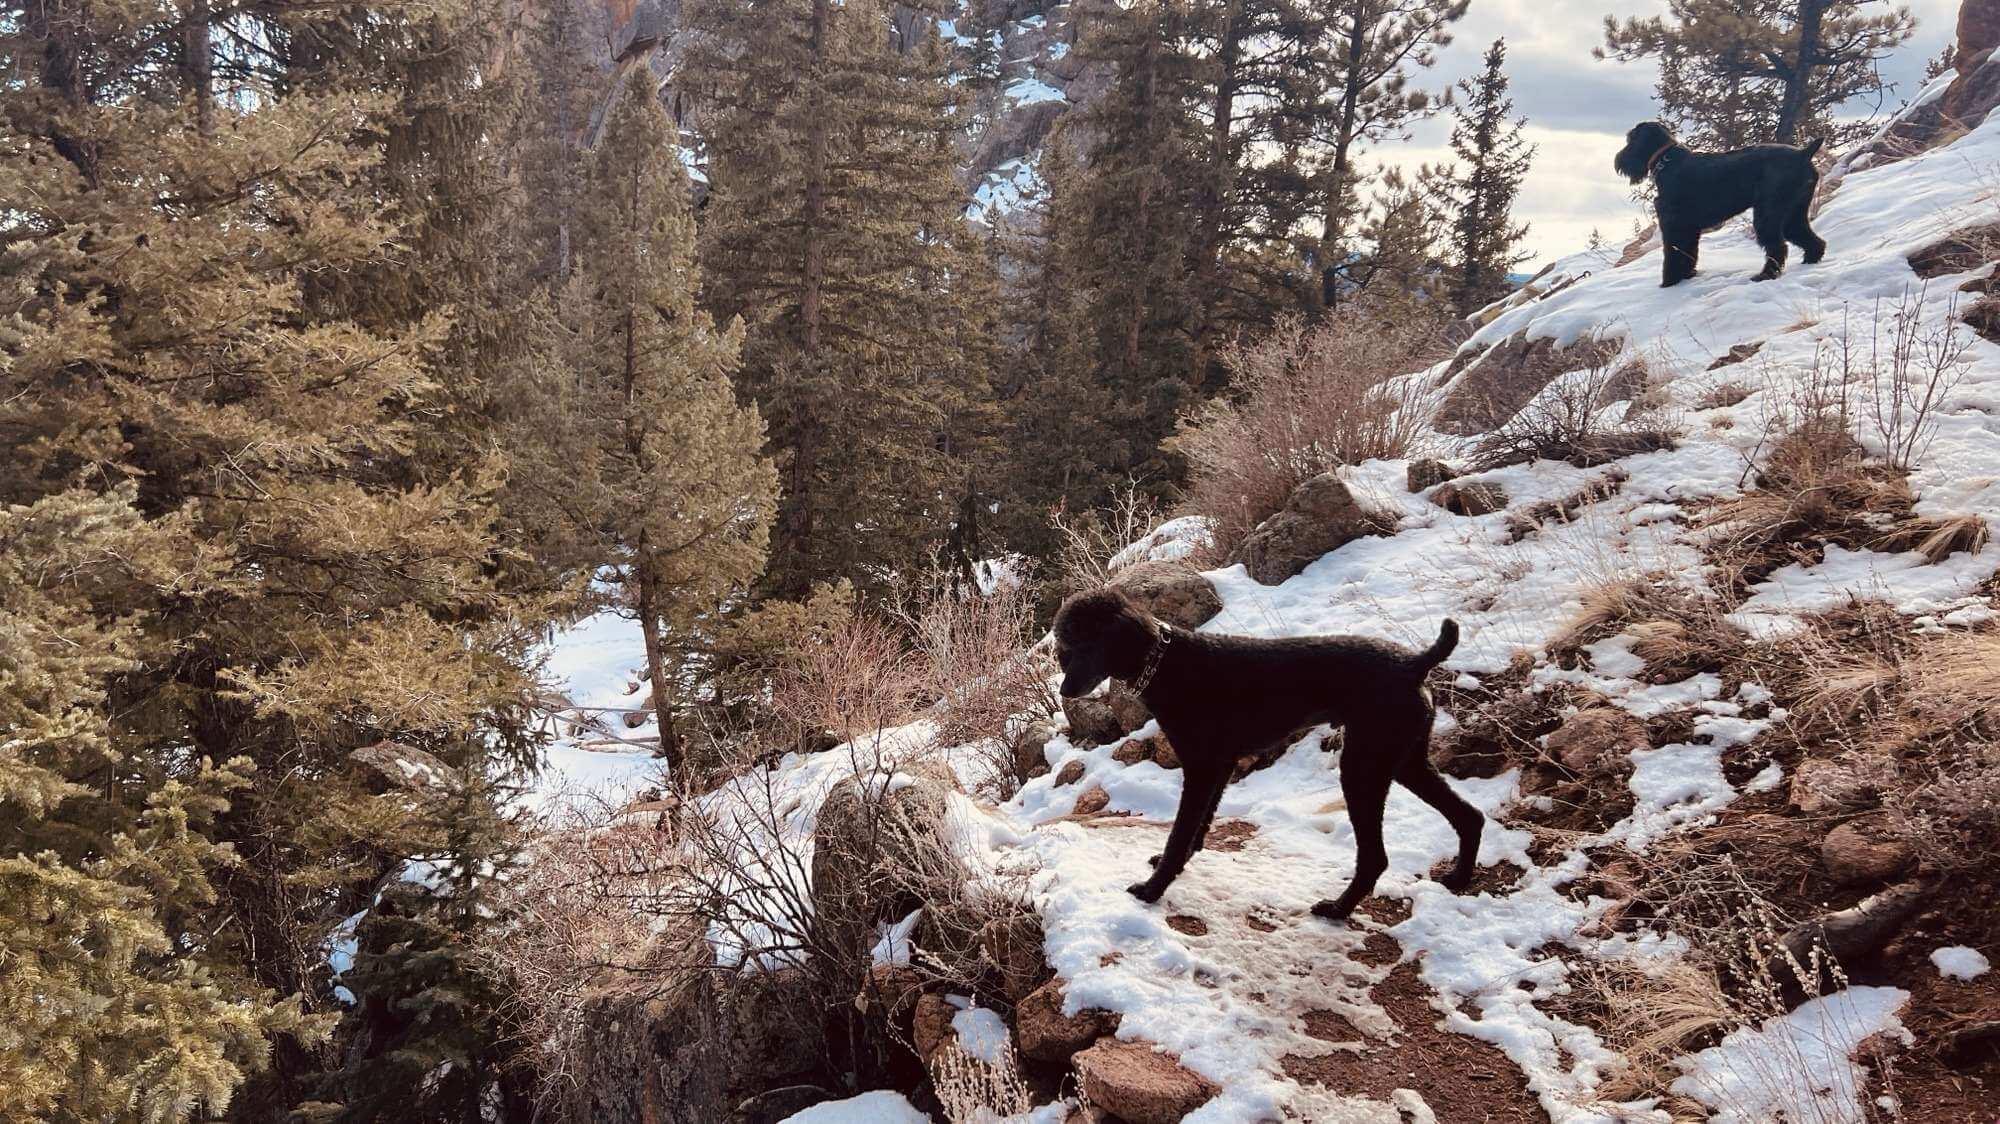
1812 147
1446 641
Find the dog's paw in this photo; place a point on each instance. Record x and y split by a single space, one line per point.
1766 275
1332 910
1146 891
1154 862
1458 881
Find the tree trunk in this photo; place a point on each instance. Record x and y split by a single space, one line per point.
1212 203
1333 229
198 65
656 664
1798 83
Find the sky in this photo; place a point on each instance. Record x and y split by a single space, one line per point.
1579 108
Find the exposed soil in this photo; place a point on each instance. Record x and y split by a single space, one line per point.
1464 1080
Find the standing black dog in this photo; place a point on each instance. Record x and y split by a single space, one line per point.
1219 698
1701 190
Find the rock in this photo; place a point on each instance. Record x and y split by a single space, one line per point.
1127 708
1072 772
1470 497
780 1104
1978 31
1132 752
1599 740
1045 1034
930 1025
1014 949
1139 1084
394 766
1741 353
1843 938
1821 787
1321 515
1958 252
1030 750
1093 801
1092 721
1155 748
1427 474
1865 852
1172 591
1494 387
864 848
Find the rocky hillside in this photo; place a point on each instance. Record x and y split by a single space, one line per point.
1728 693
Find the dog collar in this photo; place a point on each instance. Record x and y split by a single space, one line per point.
1655 157
1153 658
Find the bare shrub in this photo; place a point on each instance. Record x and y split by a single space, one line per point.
1912 368
857 676
979 662
1307 399
1087 541
974 1091
1576 419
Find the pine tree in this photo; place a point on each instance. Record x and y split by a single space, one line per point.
657 466
834 229
1486 137
111 1006
252 251
1364 52
1737 72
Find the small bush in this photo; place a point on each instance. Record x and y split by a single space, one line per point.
1306 399
978 660
1575 419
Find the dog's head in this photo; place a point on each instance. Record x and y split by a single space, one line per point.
1098 635
1643 141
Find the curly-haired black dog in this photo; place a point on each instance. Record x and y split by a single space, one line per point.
1701 190
1220 698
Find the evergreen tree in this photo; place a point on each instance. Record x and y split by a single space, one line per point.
656 467
1737 72
1364 52
111 1006
252 251
1487 139
834 229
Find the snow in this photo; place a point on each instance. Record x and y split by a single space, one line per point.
1003 189
1797 1066
878 1107
893 941
981 1032
1906 581
1028 91
594 665
1959 962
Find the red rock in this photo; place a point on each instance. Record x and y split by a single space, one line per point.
1045 1034
1139 1084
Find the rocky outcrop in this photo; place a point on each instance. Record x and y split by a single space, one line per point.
1029 750
1322 515
868 845
1091 721
1173 592
1495 386
1045 1034
1137 1083
1470 497
1427 473
1959 108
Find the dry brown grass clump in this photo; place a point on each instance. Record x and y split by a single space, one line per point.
1573 420
976 657
1306 399
1679 630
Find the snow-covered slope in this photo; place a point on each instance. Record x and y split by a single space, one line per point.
1232 974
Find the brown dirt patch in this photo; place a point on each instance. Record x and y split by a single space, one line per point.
1229 835
1187 924
1461 1078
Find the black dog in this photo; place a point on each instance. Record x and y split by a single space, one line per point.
1700 190
1219 698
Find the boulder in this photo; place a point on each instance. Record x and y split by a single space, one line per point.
1495 386
1598 740
1092 721
1821 787
1427 473
1470 497
780 1104
395 766
1978 31
1093 801
865 846
1865 852
1172 591
1127 708
930 1025
1029 750
1320 516
1072 772
1137 1083
1045 1034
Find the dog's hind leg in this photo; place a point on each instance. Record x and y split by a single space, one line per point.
1200 792
1430 787
1769 224
1367 792
1799 231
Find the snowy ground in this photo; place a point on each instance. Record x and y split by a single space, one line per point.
1231 1002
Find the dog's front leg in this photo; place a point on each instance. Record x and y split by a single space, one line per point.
1198 798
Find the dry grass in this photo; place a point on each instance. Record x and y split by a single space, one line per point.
1575 420
1305 400
1678 629
974 1091
1723 395
977 659
1937 537
1087 541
